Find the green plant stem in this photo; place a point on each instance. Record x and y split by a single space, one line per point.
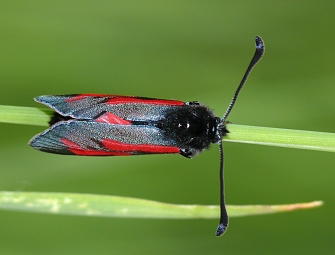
311 140
25 115
126 207
299 139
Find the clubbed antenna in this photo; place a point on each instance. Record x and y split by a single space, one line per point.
260 48
223 225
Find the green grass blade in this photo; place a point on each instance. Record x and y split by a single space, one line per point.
311 140
126 207
298 139
24 115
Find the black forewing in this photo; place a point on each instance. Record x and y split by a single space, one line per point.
90 107
89 137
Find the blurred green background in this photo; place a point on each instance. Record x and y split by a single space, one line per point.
186 50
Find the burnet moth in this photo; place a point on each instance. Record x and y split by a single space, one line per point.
112 125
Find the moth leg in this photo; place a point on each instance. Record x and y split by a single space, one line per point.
192 103
188 153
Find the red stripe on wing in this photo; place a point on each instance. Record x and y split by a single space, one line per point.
76 149
114 99
119 149
82 96
138 100
111 118
147 148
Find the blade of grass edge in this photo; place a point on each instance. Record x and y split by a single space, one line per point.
126 207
